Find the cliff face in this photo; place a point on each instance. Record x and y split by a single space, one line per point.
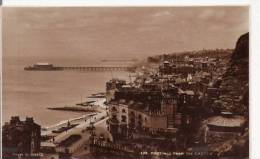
240 59
235 98
235 82
242 48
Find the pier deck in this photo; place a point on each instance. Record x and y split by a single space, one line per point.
81 68
98 68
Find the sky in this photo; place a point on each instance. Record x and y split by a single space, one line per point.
119 32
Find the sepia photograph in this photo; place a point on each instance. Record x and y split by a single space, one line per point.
128 82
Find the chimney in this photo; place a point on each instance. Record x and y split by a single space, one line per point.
29 120
15 120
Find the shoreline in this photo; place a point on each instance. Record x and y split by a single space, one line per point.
46 130
64 122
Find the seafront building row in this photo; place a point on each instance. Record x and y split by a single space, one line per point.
170 103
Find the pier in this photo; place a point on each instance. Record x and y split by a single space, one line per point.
51 67
99 68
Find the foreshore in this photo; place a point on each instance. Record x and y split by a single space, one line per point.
74 148
81 120
56 139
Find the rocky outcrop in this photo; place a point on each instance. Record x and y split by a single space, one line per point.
242 48
235 82
235 98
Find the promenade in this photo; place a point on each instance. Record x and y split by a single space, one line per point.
99 120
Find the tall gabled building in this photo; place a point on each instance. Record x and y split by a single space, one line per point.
21 138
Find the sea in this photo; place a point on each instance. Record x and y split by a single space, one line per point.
30 93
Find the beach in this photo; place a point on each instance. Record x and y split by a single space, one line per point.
47 130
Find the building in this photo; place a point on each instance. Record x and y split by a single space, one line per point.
176 68
224 127
112 86
147 109
21 138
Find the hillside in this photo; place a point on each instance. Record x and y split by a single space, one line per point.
235 98
235 82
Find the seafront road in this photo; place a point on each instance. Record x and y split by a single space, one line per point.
99 120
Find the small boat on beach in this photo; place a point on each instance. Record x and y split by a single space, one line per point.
62 129
87 103
98 95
